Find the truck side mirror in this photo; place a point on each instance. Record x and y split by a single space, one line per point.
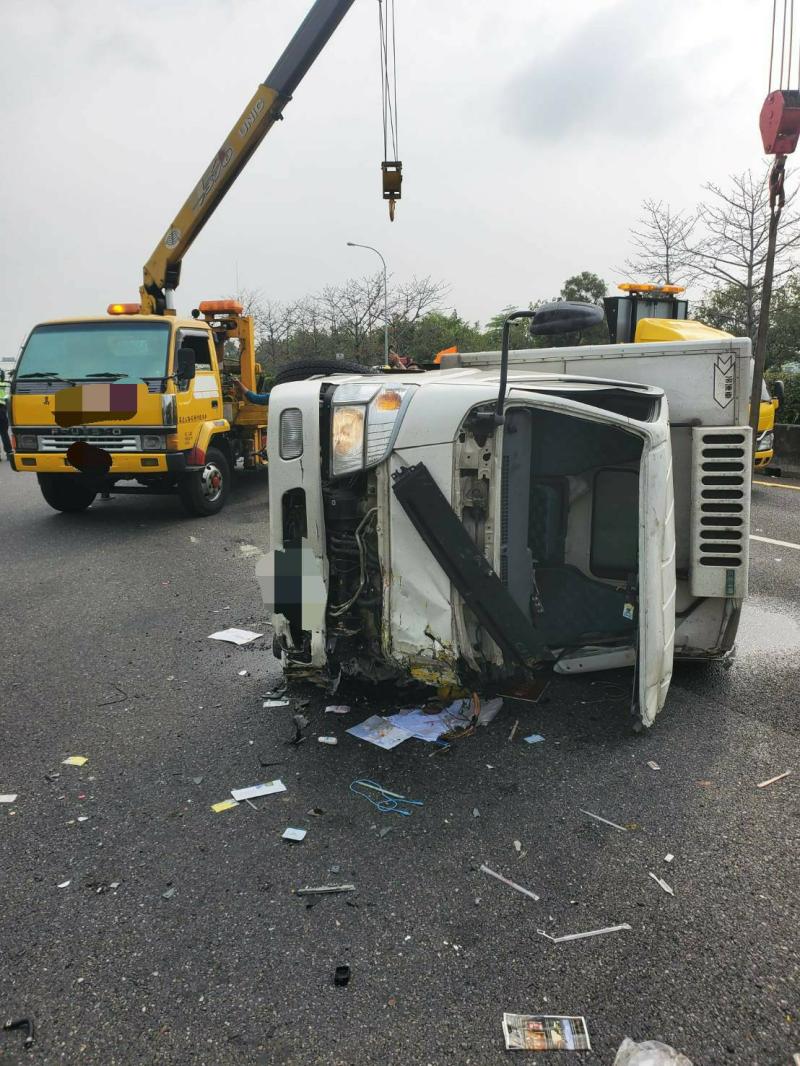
185 364
777 392
565 316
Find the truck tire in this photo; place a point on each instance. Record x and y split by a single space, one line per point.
307 368
66 492
204 492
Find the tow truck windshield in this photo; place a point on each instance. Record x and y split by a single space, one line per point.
95 351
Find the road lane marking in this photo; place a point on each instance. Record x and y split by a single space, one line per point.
775 485
778 543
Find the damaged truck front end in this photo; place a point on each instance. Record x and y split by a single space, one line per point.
414 537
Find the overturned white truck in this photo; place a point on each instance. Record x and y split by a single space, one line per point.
586 507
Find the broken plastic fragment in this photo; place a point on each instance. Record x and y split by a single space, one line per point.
223 805
511 884
669 858
322 890
169 893
293 834
269 704
254 791
8 797
65 883
534 738
338 708
76 760
663 884
653 764
327 740
772 780
583 936
648 1053
605 821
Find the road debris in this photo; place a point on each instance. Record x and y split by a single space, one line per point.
534 738
605 821
662 883
583 936
249 551
8 797
489 710
341 975
429 726
389 803
21 1023
337 708
244 673
528 691
511 884
269 788
324 890
64 884
772 780
380 732
169 893
235 636
653 764
514 728
272 704
648 1053
75 760
327 740
295 835
300 723
224 805
545 1032
518 846
475 812
669 858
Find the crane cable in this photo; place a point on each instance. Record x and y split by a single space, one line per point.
391 165
786 47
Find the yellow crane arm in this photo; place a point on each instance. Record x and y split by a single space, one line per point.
162 270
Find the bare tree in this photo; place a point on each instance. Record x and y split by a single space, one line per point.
729 247
661 245
413 299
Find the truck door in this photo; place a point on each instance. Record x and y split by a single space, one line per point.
199 400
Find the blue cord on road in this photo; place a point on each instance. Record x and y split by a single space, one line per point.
390 802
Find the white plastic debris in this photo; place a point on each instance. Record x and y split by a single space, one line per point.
235 636
268 704
294 834
65 883
254 791
648 1053
772 780
244 673
663 884
337 708
669 858
583 936
327 740
8 797
534 738
605 821
511 884
489 710
653 764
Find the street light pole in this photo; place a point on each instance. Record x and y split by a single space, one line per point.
353 244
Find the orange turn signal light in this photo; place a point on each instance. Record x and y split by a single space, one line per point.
212 307
124 309
388 400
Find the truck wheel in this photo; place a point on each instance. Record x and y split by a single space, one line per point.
204 492
66 492
307 368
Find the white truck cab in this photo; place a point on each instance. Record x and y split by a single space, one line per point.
597 516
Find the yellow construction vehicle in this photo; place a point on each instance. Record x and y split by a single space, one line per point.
657 313
141 396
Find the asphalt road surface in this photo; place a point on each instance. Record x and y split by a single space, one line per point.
105 654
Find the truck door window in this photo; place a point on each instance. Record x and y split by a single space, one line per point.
615 523
199 343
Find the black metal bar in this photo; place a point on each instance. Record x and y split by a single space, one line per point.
307 43
468 569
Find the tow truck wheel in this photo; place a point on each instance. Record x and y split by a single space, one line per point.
66 492
204 492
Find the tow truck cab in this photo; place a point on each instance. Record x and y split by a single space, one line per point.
143 400
450 552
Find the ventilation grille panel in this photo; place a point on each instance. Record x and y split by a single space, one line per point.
720 512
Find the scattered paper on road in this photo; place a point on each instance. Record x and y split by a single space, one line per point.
381 732
605 821
338 708
545 1032
267 704
223 805
511 884
583 936
254 791
294 834
669 858
772 780
662 883
8 797
534 738
76 760
236 636
429 727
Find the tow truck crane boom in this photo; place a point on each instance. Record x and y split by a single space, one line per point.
163 269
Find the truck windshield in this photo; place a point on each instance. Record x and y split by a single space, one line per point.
99 351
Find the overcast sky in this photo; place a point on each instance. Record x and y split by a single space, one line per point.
529 133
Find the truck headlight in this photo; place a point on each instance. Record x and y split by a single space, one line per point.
26 442
365 423
153 442
765 441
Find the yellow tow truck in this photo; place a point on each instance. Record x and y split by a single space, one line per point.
141 396
656 313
